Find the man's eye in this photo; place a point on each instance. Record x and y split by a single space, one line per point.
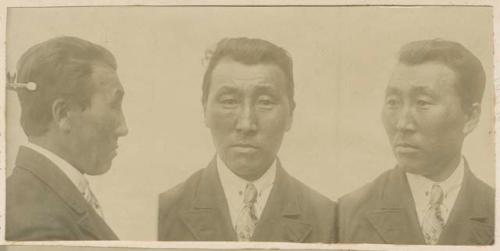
229 101
423 103
391 102
265 102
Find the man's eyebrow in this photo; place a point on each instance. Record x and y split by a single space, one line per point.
424 89
225 89
265 87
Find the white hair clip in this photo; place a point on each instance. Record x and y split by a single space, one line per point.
30 86
13 85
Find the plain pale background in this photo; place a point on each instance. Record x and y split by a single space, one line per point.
343 58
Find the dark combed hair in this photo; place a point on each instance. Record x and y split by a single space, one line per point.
250 51
467 67
60 67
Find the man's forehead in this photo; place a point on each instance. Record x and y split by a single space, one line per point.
228 69
256 81
105 76
429 75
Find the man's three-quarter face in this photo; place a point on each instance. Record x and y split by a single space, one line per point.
96 129
423 117
248 112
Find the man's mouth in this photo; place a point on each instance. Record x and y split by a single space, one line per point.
243 147
114 151
405 148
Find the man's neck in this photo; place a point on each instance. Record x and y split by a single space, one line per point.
251 177
445 169
53 147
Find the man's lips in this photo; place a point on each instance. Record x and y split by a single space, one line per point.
244 147
406 147
114 150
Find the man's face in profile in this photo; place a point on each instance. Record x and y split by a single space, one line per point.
248 112
96 129
423 117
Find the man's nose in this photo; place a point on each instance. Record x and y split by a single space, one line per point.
246 121
405 120
122 129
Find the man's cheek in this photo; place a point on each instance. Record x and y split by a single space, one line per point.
223 120
274 123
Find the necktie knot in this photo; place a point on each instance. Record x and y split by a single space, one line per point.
250 194
437 195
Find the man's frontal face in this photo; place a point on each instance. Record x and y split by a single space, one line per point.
423 117
248 113
99 126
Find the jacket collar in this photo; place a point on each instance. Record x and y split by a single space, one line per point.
208 217
60 184
469 221
283 218
395 218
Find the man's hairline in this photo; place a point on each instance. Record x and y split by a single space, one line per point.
288 80
455 82
90 81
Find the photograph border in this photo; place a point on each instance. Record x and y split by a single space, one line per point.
5 5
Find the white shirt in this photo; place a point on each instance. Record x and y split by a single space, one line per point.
421 186
77 178
234 188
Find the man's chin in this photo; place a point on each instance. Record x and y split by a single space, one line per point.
247 171
99 169
411 167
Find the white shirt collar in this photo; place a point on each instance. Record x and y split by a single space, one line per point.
233 187
77 178
421 186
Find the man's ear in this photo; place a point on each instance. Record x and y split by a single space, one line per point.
290 117
472 118
205 117
60 113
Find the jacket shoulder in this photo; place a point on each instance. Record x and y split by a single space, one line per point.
34 211
484 195
484 188
172 201
181 191
352 206
318 209
25 191
366 192
363 198
312 196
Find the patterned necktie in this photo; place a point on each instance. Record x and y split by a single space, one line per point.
247 219
433 222
92 200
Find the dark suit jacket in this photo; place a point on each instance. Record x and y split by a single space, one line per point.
197 210
384 212
43 204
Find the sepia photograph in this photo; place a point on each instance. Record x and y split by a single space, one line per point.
312 124
60 248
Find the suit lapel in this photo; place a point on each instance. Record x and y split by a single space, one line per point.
53 177
395 218
208 217
283 218
468 220
95 226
